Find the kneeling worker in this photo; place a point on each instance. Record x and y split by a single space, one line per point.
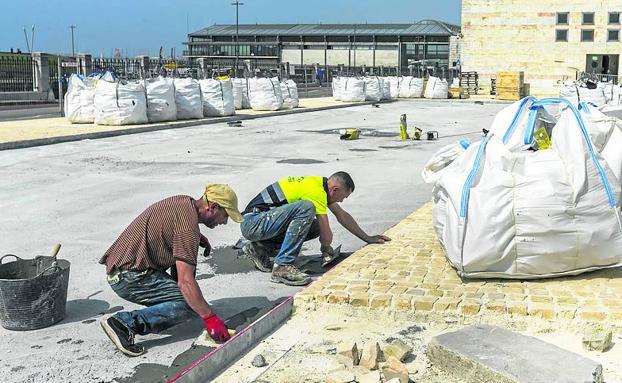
166 235
294 210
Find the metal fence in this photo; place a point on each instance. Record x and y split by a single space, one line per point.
17 73
129 69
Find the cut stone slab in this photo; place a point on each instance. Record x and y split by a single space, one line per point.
370 377
371 356
340 376
394 369
398 349
485 353
597 339
259 361
348 354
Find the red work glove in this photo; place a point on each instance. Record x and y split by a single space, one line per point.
216 328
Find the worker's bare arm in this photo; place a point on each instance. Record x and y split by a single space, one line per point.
346 220
190 289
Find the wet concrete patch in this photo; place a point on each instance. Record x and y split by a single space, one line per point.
363 150
367 132
226 260
395 146
300 161
312 265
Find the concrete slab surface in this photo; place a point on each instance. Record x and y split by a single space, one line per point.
484 353
84 193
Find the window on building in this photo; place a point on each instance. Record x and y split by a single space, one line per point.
613 35
614 17
562 18
587 35
561 35
588 18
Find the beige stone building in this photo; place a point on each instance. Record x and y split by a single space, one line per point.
550 40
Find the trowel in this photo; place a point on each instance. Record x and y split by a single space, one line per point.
327 260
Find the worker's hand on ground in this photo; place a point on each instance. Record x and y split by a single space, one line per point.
204 243
327 251
216 328
378 239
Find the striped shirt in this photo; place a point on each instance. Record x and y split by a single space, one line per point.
166 232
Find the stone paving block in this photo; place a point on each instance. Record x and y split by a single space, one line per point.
340 376
615 315
447 304
597 339
338 297
517 308
591 313
496 306
416 292
541 299
359 300
565 311
484 353
397 290
435 293
393 368
380 301
425 303
541 310
403 302
470 307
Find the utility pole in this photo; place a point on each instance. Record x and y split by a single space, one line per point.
73 50
237 35
355 48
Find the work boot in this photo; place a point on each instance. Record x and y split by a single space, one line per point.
289 275
121 336
260 255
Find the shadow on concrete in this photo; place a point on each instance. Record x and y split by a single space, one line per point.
312 265
78 310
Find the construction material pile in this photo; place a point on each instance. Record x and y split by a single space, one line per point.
538 196
375 88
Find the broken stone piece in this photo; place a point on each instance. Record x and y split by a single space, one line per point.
340 376
348 354
597 339
370 377
393 368
371 356
259 361
397 349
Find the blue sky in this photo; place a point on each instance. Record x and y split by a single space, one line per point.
141 26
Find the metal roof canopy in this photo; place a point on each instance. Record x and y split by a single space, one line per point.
423 27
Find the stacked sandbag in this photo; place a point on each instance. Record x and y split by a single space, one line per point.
161 100
353 90
265 93
289 89
436 88
410 87
120 103
576 92
386 89
240 93
373 88
217 97
79 100
394 86
188 98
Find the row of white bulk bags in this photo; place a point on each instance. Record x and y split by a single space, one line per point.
386 89
436 88
188 98
120 103
265 93
289 90
240 93
410 87
373 88
160 100
353 89
574 93
79 100
217 97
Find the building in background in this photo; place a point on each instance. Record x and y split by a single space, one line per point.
394 47
549 40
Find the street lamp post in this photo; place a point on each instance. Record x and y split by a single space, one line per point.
237 35
73 50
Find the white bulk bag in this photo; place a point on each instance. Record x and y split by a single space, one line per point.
265 93
160 100
120 103
433 169
410 87
509 212
373 88
386 89
353 89
436 88
80 99
240 93
188 98
574 93
217 97
337 86
394 86
289 89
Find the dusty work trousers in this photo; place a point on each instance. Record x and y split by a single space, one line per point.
166 306
285 228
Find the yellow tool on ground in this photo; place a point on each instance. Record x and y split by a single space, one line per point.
403 128
417 134
350 134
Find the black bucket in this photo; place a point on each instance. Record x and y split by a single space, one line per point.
33 292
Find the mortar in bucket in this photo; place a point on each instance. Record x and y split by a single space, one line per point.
33 292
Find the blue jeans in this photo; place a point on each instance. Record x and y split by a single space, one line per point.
166 306
285 227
